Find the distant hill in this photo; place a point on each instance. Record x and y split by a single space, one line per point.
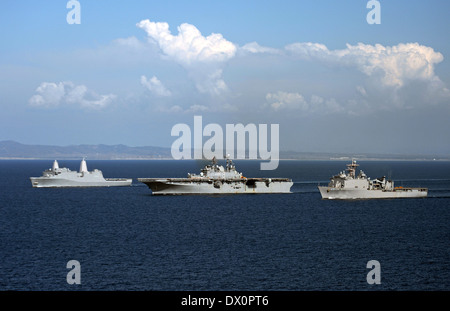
14 150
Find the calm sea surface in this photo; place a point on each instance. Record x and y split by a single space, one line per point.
127 239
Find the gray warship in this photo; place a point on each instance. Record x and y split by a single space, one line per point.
64 177
216 179
349 186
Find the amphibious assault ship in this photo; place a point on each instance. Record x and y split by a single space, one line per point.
64 177
216 179
349 186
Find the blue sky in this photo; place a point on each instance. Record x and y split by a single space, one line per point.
132 70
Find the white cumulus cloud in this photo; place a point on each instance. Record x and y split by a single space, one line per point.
392 65
210 81
189 45
50 94
293 101
284 100
131 42
202 56
254 47
155 86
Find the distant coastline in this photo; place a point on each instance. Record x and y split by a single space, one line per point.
12 150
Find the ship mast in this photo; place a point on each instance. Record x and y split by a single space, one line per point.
83 166
227 157
351 168
55 165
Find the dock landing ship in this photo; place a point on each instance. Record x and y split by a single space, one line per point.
64 177
349 186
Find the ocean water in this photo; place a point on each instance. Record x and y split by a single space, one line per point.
126 239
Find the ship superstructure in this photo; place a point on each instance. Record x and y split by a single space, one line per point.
351 186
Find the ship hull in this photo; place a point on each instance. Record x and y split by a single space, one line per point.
51 182
184 186
344 194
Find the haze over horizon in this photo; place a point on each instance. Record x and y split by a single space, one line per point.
14 150
129 72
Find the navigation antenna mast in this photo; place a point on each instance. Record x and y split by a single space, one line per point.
351 168
229 163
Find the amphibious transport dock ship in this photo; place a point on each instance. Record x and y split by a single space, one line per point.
349 186
215 179
63 177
